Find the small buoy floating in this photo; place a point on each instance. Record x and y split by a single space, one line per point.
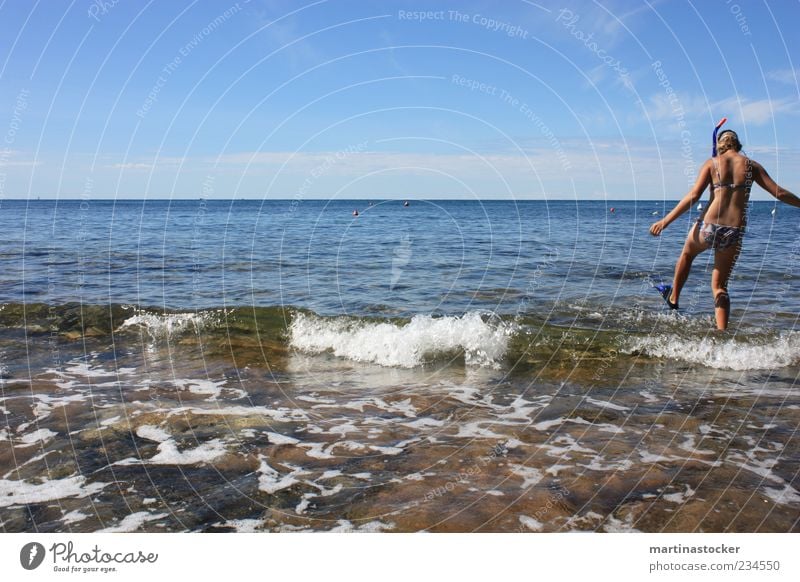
612 210
355 212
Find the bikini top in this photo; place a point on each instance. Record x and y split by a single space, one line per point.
748 184
731 186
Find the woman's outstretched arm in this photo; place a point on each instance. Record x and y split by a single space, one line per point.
764 180
703 180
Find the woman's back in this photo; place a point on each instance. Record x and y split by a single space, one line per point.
731 177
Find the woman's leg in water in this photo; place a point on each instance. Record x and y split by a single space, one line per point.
693 246
724 262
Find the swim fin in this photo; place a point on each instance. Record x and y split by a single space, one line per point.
666 292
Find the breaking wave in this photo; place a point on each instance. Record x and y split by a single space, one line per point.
482 339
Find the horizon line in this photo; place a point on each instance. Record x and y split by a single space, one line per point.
296 200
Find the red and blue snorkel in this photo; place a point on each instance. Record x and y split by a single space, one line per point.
714 137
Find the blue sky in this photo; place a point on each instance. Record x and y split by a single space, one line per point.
402 99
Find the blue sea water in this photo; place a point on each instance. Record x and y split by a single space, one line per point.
285 365
431 257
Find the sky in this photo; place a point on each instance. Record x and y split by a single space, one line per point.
340 99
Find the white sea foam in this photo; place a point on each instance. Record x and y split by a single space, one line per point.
276 414
785 496
680 496
596 464
244 525
344 526
45 404
548 424
323 492
133 522
530 523
201 386
73 517
165 325
475 430
153 433
524 410
403 407
614 525
86 370
609 405
554 470
40 436
271 481
423 423
168 453
530 475
722 353
280 439
23 493
483 342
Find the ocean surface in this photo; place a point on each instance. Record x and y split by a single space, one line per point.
210 365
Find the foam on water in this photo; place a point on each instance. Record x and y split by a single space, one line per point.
39 437
243 525
133 522
73 517
271 481
279 439
169 454
153 433
530 523
484 342
165 325
206 387
784 496
530 475
345 526
722 353
22 493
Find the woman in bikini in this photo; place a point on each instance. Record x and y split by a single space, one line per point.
721 226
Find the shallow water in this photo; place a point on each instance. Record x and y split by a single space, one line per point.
510 397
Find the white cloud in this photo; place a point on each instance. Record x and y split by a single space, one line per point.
11 158
662 107
786 76
758 112
20 163
131 166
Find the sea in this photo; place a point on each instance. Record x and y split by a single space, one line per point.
443 366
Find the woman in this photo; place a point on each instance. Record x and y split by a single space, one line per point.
721 226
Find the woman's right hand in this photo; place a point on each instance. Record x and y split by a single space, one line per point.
657 228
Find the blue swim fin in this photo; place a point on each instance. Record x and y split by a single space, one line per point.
666 292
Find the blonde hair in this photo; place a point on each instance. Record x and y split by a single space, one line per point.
737 145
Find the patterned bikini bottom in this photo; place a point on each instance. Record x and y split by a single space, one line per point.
719 237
